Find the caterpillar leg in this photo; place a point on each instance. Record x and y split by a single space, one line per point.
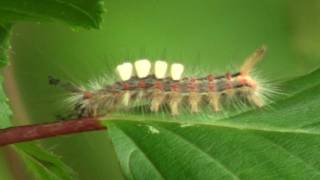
194 100
175 99
157 99
214 101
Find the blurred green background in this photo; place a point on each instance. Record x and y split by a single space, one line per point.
214 35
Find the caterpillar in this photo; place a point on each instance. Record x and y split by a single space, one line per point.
159 85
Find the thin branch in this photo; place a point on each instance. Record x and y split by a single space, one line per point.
39 131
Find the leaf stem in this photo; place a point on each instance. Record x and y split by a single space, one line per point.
45 130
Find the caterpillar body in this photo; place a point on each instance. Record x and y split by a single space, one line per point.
167 87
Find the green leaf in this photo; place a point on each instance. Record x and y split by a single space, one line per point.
83 13
301 83
281 142
5 111
4 43
78 13
43 164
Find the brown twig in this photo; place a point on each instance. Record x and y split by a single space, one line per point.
39 131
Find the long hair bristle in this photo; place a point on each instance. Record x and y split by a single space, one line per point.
252 60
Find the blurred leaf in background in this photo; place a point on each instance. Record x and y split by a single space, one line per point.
76 13
87 14
4 169
4 42
5 111
43 164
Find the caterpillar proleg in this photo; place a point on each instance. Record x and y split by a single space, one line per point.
159 84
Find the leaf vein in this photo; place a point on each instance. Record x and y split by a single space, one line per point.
290 153
40 164
145 155
79 9
228 171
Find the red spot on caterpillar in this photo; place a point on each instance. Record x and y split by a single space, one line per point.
158 85
244 80
229 80
174 86
141 84
210 78
125 86
211 86
87 95
192 84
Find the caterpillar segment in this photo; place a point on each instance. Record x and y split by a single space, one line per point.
161 84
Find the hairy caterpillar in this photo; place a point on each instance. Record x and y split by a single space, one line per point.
166 88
